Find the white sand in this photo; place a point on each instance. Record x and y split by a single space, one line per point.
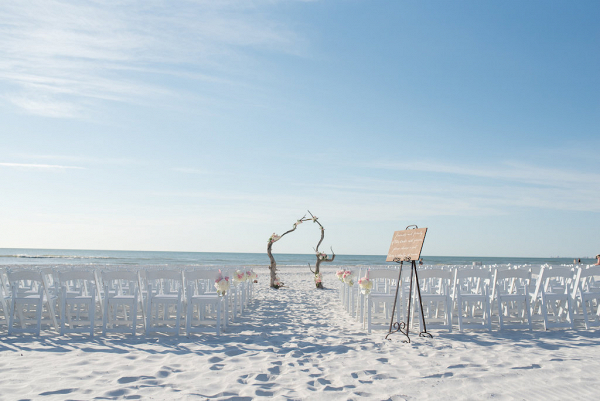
297 343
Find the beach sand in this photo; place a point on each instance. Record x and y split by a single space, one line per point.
299 343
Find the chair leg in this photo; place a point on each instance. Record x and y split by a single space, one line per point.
11 319
105 315
39 315
63 312
148 315
178 305
134 317
369 307
218 307
92 314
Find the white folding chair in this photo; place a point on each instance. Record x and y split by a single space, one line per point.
4 296
164 301
554 288
237 292
27 301
77 301
437 303
205 307
510 290
351 291
471 293
380 300
587 292
121 301
360 296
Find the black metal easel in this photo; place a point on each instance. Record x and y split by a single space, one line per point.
403 327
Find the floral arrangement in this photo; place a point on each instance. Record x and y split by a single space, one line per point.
318 278
277 283
365 285
250 275
321 255
274 238
348 278
239 276
222 284
340 275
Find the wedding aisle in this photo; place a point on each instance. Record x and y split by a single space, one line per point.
299 343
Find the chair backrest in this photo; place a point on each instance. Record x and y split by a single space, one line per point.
201 274
471 281
120 282
435 273
513 273
164 274
390 274
25 282
78 280
473 273
556 280
164 281
513 281
76 275
590 271
435 281
4 280
24 275
557 272
384 280
128 275
587 280
200 281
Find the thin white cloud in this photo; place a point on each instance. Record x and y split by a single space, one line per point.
79 159
187 170
40 166
57 57
508 171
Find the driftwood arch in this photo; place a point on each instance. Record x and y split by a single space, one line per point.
321 256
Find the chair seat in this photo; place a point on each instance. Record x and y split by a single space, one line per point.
205 297
165 298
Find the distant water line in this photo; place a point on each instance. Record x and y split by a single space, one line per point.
19 256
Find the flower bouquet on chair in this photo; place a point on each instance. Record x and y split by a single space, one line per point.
365 285
348 278
222 284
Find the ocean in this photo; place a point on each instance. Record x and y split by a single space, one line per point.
19 256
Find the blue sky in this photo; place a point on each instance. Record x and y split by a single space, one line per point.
207 126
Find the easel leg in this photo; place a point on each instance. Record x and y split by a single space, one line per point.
423 333
404 327
398 325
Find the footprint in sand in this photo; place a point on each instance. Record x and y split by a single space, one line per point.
130 379
59 392
533 366
262 377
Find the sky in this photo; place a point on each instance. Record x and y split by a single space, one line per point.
209 125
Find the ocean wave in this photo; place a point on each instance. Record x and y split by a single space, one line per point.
55 257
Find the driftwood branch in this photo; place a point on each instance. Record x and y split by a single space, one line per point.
321 257
274 238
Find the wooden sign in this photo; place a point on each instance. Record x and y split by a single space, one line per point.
406 245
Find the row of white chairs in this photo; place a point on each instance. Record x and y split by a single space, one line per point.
120 299
474 297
